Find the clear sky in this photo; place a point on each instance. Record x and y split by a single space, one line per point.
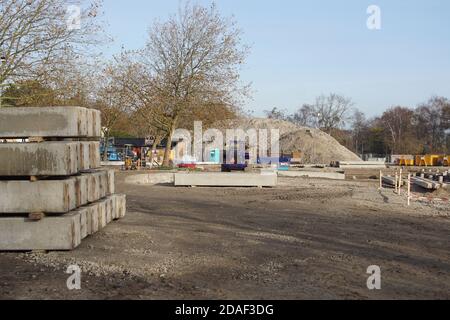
301 49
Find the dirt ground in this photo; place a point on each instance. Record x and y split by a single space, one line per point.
305 239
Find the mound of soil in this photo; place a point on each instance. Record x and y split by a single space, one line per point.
315 145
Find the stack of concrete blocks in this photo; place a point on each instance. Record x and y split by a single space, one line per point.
53 193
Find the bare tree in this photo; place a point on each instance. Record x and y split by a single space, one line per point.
399 130
278 114
36 36
332 111
431 123
328 113
111 98
359 129
193 59
306 116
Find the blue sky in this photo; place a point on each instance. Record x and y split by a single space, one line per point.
301 49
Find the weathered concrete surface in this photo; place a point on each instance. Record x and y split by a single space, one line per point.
425 183
151 178
55 196
226 179
362 165
120 206
58 196
39 159
313 174
100 184
94 126
58 122
60 232
59 158
89 155
52 233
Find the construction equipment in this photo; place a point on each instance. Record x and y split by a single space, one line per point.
406 162
428 160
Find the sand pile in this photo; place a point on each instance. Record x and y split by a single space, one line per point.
316 146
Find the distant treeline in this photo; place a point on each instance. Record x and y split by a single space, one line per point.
399 130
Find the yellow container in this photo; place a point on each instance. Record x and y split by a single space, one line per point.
428 160
419 161
406 162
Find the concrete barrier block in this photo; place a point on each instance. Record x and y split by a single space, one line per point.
94 123
82 189
101 214
48 196
50 233
120 205
313 174
94 155
53 196
39 159
84 228
89 156
63 122
93 187
226 179
111 182
93 213
109 209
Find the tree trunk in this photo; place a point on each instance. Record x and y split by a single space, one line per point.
154 147
105 151
168 150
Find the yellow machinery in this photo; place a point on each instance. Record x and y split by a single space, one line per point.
406 162
431 160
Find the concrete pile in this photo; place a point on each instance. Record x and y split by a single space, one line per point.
53 193
432 180
211 179
359 164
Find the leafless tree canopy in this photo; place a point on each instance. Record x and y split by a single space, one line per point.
190 62
328 113
35 36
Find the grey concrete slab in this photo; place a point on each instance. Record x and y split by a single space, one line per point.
313 174
59 122
120 206
101 214
49 158
84 232
94 123
63 232
55 196
39 159
48 196
89 156
92 218
362 165
50 233
111 182
226 179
